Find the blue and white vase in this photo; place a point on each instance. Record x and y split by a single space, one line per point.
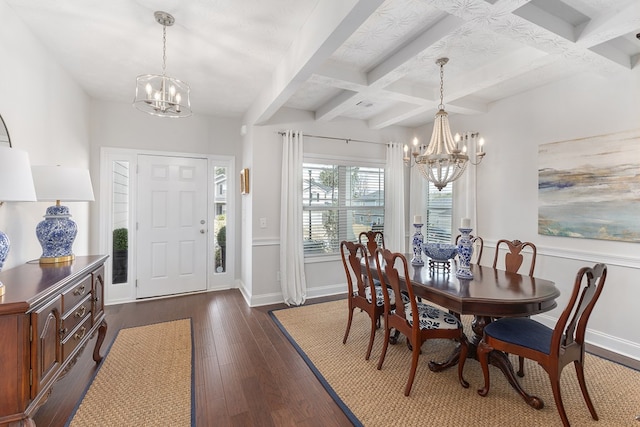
465 250
56 234
4 249
417 245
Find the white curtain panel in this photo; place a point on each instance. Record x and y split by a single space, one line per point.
292 278
394 216
417 199
466 185
471 184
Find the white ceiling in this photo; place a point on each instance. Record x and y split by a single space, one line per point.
366 59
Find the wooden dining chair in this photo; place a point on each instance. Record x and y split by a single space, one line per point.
417 321
478 246
372 239
550 348
363 291
513 259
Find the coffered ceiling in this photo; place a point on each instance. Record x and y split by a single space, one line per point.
372 60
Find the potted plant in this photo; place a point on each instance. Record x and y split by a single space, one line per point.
120 254
221 240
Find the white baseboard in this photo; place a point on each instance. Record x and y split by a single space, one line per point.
609 343
276 297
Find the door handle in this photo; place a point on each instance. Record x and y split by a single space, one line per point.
201 231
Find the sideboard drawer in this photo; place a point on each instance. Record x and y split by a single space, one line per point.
75 294
75 337
47 317
76 315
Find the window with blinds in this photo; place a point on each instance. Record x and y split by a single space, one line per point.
340 202
439 214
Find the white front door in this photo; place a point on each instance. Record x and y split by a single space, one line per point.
171 225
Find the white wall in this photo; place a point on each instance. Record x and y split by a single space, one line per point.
47 115
507 180
323 277
585 105
118 125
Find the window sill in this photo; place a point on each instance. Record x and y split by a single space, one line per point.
315 259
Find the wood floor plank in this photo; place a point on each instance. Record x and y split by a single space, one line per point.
247 372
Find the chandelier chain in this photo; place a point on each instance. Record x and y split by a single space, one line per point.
441 106
164 49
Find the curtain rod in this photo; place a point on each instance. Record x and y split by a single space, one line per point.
347 140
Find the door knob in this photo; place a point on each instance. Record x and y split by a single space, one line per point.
201 231
202 221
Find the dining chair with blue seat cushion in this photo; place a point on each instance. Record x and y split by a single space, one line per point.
553 348
513 260
417 321
363 292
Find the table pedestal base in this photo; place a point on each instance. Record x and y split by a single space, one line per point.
496 358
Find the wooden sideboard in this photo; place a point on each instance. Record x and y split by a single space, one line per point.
47 315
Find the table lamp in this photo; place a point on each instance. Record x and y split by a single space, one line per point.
57 231
16 185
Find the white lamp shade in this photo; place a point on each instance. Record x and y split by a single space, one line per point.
16 182
60 183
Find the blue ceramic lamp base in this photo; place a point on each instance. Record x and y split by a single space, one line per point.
4 251
56 234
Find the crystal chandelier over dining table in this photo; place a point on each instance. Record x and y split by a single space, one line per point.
442 161
161 95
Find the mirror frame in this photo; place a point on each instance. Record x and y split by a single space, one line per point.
5 139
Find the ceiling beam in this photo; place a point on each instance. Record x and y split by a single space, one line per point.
500 70
339 104
387 72
614 24
329 26
397 114
546 20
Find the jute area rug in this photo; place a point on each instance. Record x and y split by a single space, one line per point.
145 380
377 398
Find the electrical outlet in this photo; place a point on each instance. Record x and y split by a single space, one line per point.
263 222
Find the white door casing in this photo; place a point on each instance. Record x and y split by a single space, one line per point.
171 225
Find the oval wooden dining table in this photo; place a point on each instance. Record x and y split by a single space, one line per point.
492 293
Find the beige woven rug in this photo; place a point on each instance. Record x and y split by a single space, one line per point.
145 380
437 399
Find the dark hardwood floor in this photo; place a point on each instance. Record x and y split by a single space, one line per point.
246 372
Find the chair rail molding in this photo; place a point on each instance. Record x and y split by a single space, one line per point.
591 257
265 241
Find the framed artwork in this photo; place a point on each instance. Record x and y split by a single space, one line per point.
589 188
244 181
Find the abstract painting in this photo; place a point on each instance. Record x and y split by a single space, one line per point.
590 188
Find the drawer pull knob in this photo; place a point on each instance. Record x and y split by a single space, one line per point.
81 312
79 291
80 334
